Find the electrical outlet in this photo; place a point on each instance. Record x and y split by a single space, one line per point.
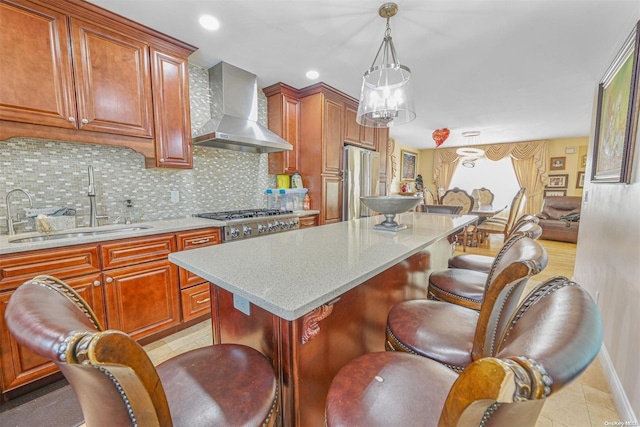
175 196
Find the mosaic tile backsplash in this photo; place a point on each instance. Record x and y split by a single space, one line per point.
55 173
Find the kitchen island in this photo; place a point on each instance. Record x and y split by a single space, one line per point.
312 300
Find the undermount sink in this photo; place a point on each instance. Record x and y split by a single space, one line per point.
55 236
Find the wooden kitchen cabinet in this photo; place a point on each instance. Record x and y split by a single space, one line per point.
112 81
83 74
18 365
129 283
283 115
322 130
355 134
173 121
141 287
195 292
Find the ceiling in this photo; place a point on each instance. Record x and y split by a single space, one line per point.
515 70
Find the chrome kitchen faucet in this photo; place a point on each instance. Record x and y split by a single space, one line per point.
10 222
93 217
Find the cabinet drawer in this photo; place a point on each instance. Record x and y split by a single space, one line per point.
194 240
197 239
123 253
196 301
308 221
63 263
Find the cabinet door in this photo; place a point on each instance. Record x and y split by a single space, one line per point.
331 200
368 137
19 366
284 113
351 127
143 299
35 66
113 81
332 137
171 110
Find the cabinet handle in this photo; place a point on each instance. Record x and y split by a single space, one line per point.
72 119
96 283
108 280
161 160
201 241
85 121
202 301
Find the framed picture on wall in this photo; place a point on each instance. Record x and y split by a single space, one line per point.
408 166
617 115
557 163
580 181
558 181
555 193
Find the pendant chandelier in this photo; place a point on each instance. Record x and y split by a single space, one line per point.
469 155
386 99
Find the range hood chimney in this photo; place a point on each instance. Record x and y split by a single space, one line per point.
234 111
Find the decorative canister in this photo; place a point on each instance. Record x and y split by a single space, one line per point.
284 181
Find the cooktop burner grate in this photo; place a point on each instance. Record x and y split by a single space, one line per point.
241 214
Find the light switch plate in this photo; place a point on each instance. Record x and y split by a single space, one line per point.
242 304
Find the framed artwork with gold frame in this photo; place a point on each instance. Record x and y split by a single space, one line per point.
617 115
408 166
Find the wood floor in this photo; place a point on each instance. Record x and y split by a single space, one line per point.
587 401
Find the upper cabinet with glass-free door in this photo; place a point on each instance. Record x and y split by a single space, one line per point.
83 74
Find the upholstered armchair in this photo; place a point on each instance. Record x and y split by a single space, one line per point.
560 218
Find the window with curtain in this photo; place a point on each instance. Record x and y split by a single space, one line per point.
497 176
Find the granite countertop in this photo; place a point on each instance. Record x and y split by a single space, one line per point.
292 273
154 227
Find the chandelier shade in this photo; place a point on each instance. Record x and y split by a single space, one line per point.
386 98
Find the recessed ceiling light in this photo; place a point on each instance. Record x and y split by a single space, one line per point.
209 22
312 75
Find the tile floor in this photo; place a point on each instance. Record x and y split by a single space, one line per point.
585 402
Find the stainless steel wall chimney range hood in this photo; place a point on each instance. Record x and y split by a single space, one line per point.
234 111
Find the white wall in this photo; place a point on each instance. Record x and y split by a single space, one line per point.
608 266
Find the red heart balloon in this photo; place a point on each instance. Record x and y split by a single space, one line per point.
440 136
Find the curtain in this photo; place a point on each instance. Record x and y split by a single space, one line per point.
529 161
445 164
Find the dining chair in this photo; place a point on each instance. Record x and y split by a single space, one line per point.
486 196
459 197
526 225
503 222
554 335
116 382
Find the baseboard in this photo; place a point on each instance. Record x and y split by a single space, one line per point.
617 392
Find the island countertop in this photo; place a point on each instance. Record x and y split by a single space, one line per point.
292 273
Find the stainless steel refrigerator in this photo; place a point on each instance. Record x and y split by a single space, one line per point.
361 178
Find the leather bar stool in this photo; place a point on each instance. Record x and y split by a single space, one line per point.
526 225
554 337
454 335
467 287
116 382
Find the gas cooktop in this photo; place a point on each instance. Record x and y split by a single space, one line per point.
246 223
241 214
